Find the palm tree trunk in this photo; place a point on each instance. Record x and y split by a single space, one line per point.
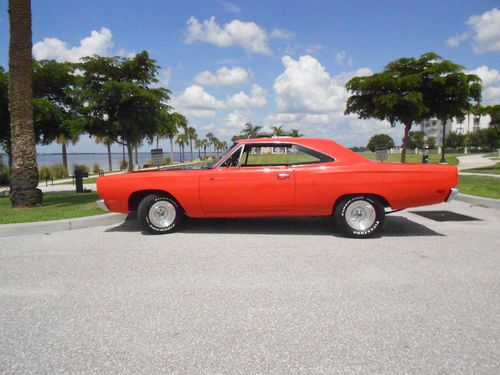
157 141
199 153
136 156
191 149
109 158
205 150
24 172
64 158
171 149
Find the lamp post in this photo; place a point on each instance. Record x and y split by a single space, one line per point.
425 156
443 160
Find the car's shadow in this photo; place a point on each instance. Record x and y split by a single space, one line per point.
395 226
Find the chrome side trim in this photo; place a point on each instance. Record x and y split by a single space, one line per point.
453 194
102 205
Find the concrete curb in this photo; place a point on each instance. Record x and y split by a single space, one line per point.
479 201
7 230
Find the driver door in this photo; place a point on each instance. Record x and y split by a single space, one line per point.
235 188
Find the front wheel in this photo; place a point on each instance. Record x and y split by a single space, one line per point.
359 216
159 214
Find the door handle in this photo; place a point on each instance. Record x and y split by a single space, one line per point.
217 178
283 176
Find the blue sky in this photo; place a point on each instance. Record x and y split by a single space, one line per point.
268 62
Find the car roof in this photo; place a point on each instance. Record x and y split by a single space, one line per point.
326 146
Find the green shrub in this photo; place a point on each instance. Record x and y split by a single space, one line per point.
58 170
44 172
84 168
123 164
168 160
4 173
97 168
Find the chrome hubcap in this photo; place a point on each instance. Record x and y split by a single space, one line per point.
360 215
162 214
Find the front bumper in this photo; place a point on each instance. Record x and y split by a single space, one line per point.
453 194
102 205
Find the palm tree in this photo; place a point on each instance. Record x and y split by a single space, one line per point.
108 141
191 136
210 138
24 171
199 144
295 133
181 141
278 131
63 140
251 131
205 145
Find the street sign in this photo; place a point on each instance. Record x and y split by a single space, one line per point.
381 153
157 156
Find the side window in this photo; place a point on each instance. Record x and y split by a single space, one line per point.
272 154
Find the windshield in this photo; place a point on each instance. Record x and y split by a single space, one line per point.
212 163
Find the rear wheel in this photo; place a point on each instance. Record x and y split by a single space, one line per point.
159 214
359 216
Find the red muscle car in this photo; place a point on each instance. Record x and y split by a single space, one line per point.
279 177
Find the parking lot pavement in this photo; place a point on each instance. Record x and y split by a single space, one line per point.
255 296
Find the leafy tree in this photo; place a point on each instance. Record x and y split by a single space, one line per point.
416 139
494 112
250 130
56 104
490 138
119 100
473 139
210 140
24 169
410 90
455 140
295 133
431 143
380 140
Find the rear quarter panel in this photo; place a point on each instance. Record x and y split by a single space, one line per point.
401 185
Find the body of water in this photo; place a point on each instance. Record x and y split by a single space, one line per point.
101 159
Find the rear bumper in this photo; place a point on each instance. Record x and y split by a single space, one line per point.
102 205
453 194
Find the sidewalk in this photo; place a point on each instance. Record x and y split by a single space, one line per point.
474 161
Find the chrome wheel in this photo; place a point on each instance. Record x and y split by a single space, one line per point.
360 215
162 214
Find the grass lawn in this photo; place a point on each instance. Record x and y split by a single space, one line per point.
414 158
54 207
488 187
491 169
88 180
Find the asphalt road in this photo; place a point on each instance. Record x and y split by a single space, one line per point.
255 296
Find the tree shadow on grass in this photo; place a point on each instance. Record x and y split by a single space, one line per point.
395 226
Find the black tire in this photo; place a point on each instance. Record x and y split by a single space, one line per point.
359 216
159 214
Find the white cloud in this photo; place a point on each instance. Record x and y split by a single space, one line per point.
312 49
196 102
485 32
223 77
247 35
491 83
230 7
342 58
98 43
306 87
456 40
282 34
256 99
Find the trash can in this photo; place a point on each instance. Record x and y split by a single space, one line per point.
79 175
